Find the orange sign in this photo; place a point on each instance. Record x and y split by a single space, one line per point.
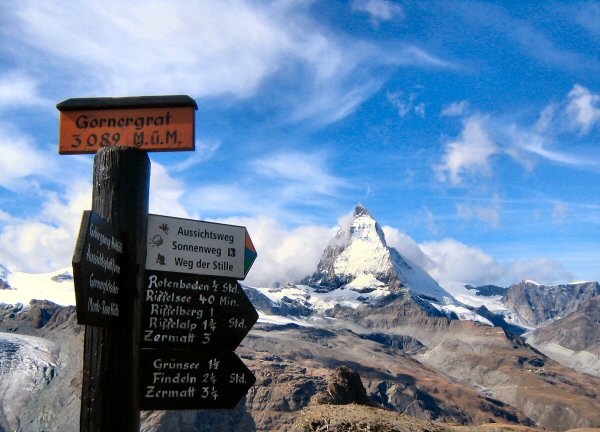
87 125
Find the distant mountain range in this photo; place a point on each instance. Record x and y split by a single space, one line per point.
513 355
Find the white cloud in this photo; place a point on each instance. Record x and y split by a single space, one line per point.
4 216
469 154
165 46
583 108
277 184
205 49
526 142
299 174
284 254
204 151
407 247
46 242
560 212
456 264
541 269
20 159
166 193
588 15
489 214
17 89
379 10
227 199
406 104
455 109
484 137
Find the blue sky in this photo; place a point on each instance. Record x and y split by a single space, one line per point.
470 130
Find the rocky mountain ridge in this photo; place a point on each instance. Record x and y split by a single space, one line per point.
538 304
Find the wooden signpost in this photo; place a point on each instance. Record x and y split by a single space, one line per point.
159 295
195 312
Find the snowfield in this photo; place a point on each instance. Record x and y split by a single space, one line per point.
57 287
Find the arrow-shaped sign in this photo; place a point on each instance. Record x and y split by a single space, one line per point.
97 270
180 379
198 247
194 312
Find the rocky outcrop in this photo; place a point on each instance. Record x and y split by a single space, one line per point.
487 290
38 315
407 344
498 320
344 387
573 340
578 331
4 278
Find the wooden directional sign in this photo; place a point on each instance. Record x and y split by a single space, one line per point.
194 312
97 272
198 247
152 123
181 379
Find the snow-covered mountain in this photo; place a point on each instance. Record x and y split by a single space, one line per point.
358 258
530 304
21 288
359 268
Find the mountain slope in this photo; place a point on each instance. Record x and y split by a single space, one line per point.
498 363
537 304
573 340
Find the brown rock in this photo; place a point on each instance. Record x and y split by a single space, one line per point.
344 387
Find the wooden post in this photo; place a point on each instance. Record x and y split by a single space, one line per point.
110 395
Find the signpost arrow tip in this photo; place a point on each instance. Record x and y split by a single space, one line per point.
250 255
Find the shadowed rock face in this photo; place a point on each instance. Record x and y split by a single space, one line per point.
499 321
487 290
538 304
4 278
573 340
578 331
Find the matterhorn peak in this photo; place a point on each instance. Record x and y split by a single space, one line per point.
359 258
360 227
361 210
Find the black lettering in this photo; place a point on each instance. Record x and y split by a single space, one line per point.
172 137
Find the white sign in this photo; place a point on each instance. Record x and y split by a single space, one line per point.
190 246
